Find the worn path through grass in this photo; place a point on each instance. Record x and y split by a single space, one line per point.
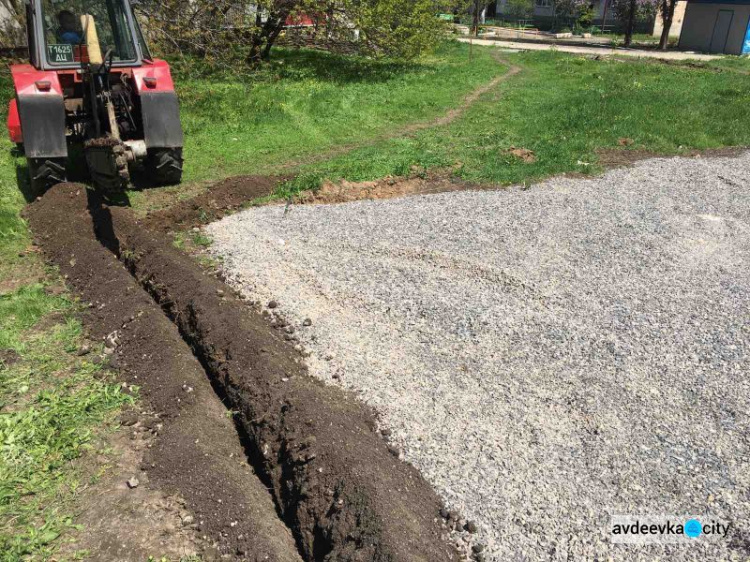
449 117
307 105
564 110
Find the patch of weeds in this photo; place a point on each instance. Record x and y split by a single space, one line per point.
22 309
179 240
52 403
200 239
128 255
309 181
208 262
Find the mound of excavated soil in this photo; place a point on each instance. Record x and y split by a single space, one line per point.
221 198
336 484
345 495
193 451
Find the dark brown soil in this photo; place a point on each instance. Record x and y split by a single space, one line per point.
196 453
337 485
339 489
388 188
222 198
8 357
621 157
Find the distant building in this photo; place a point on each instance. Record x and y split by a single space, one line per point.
717 26
544 13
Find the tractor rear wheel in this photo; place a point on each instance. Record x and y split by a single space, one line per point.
44 173
164 165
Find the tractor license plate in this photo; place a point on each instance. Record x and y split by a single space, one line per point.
60 53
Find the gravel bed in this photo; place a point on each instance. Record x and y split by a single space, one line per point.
547 357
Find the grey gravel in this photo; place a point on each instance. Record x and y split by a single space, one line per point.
546 357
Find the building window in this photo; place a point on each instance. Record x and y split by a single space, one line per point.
543 3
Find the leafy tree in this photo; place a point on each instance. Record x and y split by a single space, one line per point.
586 16
568 11
666 9
234 30
520 9
629 11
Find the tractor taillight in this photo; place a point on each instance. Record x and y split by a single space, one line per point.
150 81
43 85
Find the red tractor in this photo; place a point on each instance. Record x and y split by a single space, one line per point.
92 81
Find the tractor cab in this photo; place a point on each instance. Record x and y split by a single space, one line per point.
92 80
62 30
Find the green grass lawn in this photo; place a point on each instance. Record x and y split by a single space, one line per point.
53 403
308 101
564 108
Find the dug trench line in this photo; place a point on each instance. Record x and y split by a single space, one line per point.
195 452
335 483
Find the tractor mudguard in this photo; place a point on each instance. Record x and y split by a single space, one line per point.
14 122
160 107
42 112
43 126
161 120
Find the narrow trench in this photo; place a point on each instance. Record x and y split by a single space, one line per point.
105 234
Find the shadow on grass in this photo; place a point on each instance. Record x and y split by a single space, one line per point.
298 64
22 175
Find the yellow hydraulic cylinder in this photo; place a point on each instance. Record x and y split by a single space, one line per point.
92 39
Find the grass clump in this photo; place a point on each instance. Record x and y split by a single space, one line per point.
52 403
53 407
307 101
564 109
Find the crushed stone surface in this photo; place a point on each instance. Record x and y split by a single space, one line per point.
547 357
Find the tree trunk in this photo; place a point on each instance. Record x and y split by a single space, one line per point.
630 26
260 36
271 39
667 16
265 37
478 7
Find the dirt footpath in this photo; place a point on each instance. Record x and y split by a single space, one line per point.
546 357
589 50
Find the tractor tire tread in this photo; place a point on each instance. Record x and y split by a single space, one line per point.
164 165
44 173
